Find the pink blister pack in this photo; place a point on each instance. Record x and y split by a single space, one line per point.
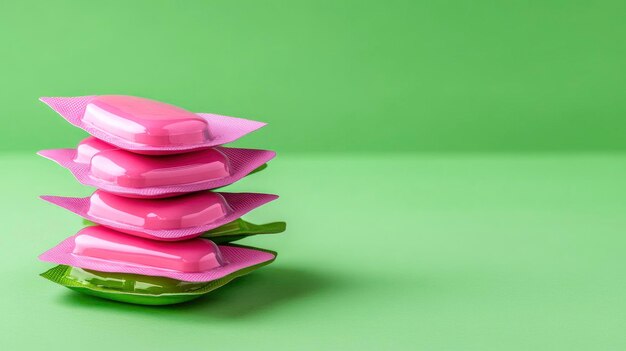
95 163
147 126
169 219
196 260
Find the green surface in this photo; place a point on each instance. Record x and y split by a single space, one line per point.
331 75
430 252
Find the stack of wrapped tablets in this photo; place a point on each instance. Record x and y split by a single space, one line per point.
157 234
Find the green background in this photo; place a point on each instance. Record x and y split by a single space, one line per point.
452 172
332 76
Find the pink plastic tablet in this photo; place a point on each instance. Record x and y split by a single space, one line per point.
178 212
131 170
196 255
90 146
144 121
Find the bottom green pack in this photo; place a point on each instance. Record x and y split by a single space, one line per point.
139 289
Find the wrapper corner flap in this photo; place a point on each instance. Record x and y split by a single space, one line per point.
62 157
70 108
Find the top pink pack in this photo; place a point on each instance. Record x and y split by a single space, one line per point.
145 121
90 146
195 255
147 126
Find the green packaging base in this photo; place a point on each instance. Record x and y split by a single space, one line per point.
139 289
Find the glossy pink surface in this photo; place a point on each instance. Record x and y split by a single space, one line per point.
144 121
90 146
195 255
178 212
131 170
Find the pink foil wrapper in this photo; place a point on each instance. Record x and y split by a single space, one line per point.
242 162
224 129
240 204
237 257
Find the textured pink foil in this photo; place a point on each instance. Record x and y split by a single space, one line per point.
237 257
240 203
242 162
224 129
